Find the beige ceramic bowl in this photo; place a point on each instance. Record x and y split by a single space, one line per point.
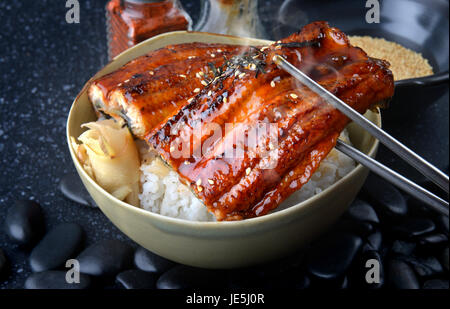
220 244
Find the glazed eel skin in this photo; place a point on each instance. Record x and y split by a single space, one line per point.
153 87
234 176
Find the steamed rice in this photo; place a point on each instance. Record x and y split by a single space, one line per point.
163 193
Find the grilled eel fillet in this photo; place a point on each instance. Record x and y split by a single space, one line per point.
153 87
247 94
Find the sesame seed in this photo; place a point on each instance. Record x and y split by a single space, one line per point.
278 47
404 63
199 188
219 50
196 90
294 96
213 55
211 182
120 84
278 42
264 48
182 75
191 57
204 83
248 170
209 93
225 100
187 162
199 182
126 81
190 100
151 73
241 75
172 149
198 75
272 84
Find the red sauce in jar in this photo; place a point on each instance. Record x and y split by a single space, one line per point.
131 22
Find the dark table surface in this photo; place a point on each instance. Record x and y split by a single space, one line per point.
44 63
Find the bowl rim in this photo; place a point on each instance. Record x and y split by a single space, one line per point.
214 225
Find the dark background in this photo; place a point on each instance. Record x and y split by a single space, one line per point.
44 62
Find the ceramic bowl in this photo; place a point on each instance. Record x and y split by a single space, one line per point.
220 244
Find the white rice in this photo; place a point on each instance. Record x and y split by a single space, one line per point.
163 193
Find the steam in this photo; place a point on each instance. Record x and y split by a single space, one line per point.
236 17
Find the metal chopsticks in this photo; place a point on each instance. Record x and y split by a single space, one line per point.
427 169
396 179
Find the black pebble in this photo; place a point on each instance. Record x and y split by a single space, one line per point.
436 284
374 241
73 189
362 211
303 282
385 197
443 224
148 261
401 276
344 284
137 279
3 263
25 223
60 244
445 258
413 227
106 258
55 279
403 247
330 257
433 241
183 277
424 266
352 226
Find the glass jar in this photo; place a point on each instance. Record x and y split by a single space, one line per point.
130 22
232 17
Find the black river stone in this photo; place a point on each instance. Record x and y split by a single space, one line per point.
401 276
436 284
403 247
106 258
424 266
73 189
385 197
183 277
374 241
137 279
352 226
148 261
55 279
435 240
330 257
3 263
25 223
362 211
443 223
413 227
60 244
445 258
